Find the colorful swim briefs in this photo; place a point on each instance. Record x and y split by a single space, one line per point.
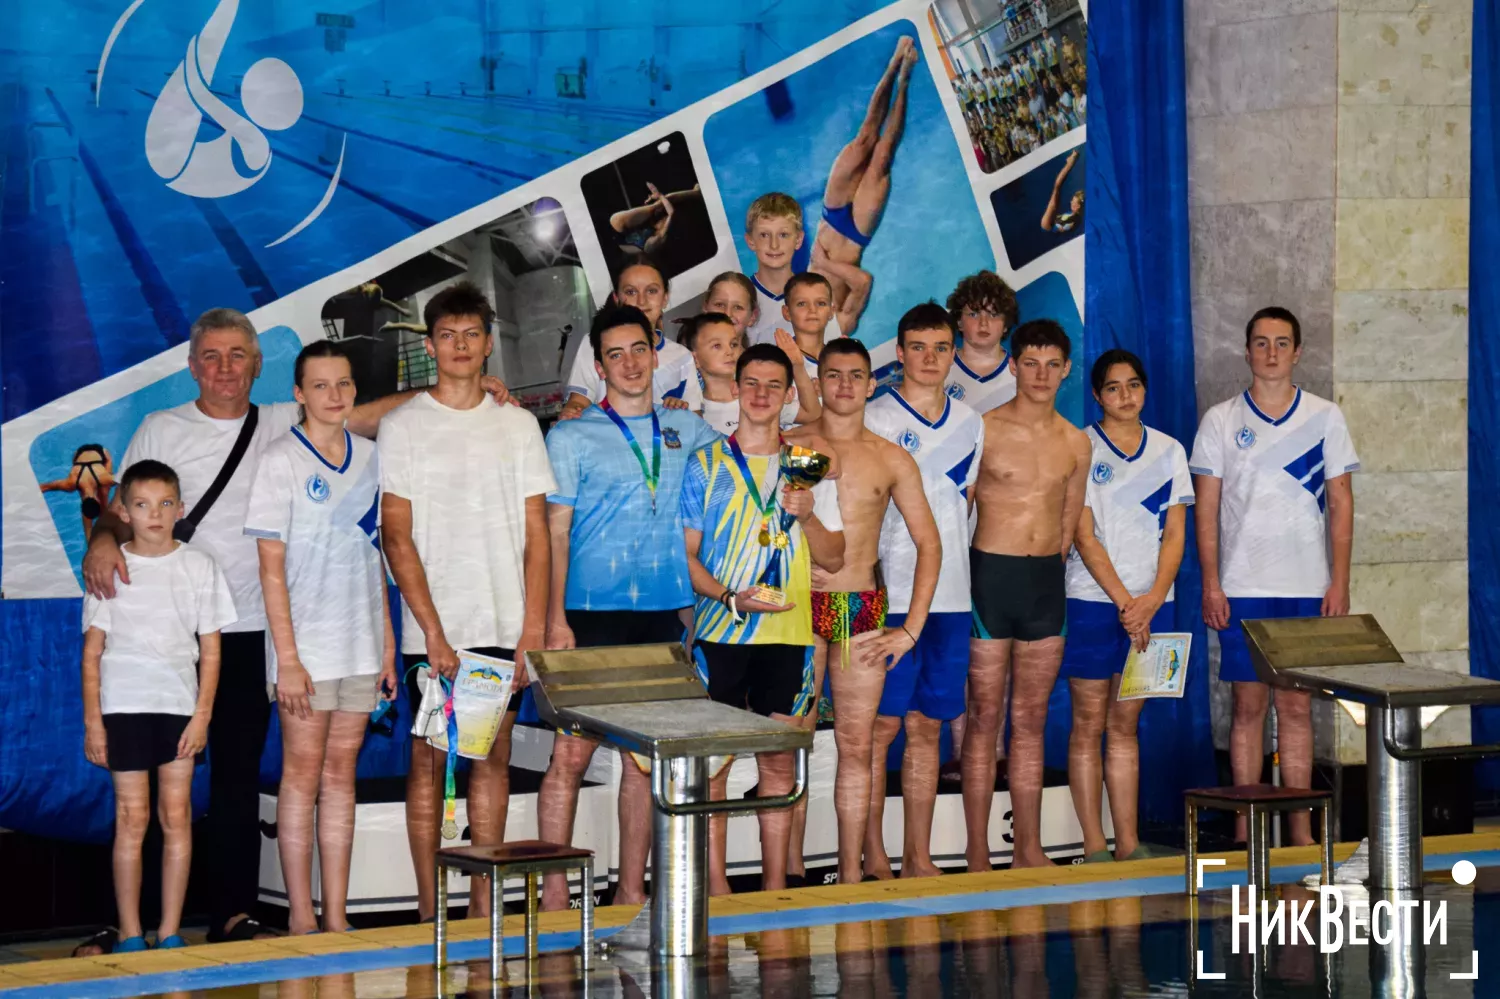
837 617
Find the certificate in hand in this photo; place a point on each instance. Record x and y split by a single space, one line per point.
1159 671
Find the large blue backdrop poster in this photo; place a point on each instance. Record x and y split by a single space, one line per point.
327 168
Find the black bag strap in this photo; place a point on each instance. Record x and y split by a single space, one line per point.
236 455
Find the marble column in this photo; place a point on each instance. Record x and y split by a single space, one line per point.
1401 313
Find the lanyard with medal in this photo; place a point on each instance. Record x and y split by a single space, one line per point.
651 472
772 533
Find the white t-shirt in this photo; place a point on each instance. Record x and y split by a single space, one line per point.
1128 496
151 630
1273 539
328 517
770 317
195 446
982 393
676 374
947 454
725 416
468 474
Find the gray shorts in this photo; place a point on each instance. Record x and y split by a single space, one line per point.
358 694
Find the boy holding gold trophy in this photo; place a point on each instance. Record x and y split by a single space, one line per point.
756 515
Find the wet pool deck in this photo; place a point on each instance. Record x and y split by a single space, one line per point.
224 966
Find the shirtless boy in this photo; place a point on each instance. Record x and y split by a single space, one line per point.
1029 497
859 185
849 606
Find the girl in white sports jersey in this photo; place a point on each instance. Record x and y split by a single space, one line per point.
331 651
1119 580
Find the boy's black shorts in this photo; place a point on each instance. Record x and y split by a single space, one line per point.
142 741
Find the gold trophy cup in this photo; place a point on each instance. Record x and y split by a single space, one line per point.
801 468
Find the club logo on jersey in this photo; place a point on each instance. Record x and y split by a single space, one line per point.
1245 439
910 441
956 391
317 488
671 438
1103 473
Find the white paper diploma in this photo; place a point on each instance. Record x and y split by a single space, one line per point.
1159 671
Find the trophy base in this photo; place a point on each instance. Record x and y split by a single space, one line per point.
769 595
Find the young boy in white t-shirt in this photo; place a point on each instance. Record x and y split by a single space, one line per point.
145 706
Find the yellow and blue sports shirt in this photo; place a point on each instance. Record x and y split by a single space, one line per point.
717 502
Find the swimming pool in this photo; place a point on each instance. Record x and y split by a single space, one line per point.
1056 933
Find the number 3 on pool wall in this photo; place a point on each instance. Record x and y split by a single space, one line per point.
1006 835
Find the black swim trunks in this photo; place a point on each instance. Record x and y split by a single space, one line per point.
1017 596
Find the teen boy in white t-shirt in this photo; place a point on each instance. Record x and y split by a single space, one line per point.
464 527
150 669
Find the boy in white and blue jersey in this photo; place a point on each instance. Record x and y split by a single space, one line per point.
675 383
1119 581
983 309
807 306
926 687
773 231
619 561
1271 467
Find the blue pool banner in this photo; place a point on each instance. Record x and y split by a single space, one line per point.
326 171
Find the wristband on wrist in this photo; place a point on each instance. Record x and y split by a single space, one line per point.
724 597
910 635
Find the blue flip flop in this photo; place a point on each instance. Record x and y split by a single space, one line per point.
132 945
171 943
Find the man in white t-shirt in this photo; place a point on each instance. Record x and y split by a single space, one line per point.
464 527
1271 469
196 439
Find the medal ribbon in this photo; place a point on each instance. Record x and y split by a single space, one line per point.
450 788
764 507
772 574
651 472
